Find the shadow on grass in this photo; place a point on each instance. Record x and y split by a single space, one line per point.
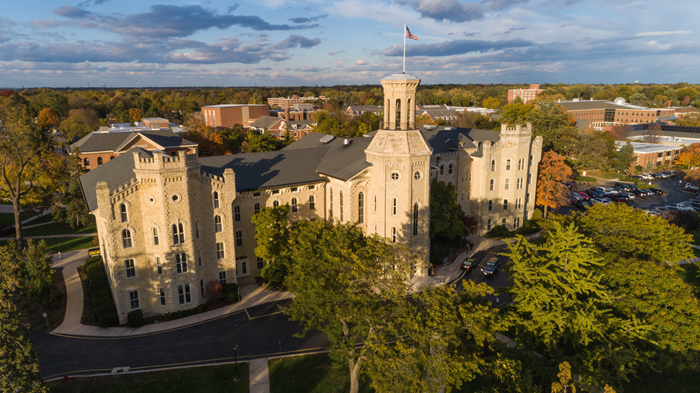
311 374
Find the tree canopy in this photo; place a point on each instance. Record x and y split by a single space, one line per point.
553 172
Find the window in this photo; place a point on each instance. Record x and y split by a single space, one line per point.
159 266
518 203
216 199
256 194
491 183
86 162
181 262
261 263
275 203
161 295
126 238
220 250
330 202
217 224
503 222
519 183
122 209
507 165
222 278
201 287
178 234
521 164
393 234
130 269
394 176
529 178
295 208
312 203
416 175
493 166
394 208
361 208
155 236
661 155
490 205
196 229
134 299
340 200
527 198
99 161
442 170
237 213
375 203
505 204
516 222
449 169
415 219
257 208
184 294
275 192
488 225
507 185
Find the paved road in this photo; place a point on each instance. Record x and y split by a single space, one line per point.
257 334
499 281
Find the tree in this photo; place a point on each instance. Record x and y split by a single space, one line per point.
79 123
591 150
48 119
653 133
621 132
553 123
76 212
135 115
565 383
255 142
37 274
625 158
553 172
689 157
491 103
28 168
350 286
272 234
517 113
445 212
19 363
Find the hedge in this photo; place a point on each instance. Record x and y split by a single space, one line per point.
230 292
587 179
100 294
134 319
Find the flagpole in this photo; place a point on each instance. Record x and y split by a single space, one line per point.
404 48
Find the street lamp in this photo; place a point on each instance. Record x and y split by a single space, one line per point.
235 361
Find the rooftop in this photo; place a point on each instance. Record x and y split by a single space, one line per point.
642 148
231 105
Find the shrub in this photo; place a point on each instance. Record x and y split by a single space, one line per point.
134 319
529 227
100 294
587 179
499 231
214 289
536 215
230 292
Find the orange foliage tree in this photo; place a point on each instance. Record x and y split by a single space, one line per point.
48 118
690 158
553 172
135 114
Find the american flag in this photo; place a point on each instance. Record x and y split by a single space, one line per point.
409 35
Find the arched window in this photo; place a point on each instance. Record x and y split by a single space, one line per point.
408 114
361 208
155 236
330 202
415 219
507 184
237 213
216 200
442 170
340 204
181 262
275 203
257 208
178 234
507 165
398 114
449 169
86 162
312 203
295 208
217 224
99 161
394 205
126 238
124 214
393 234
493 165
159 266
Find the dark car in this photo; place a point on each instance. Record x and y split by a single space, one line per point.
657 191
624 186
633 187
469 264
491 266
583 205
569 184
620 198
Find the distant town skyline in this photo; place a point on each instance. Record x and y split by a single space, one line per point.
276 43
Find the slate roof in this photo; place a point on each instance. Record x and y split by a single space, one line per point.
364 108
116 172
444 140
114 141
266 122
441 113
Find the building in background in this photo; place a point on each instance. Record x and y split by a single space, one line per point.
652 153
226 115
288 102
603 113
527 96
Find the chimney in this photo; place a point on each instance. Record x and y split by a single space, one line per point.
286 111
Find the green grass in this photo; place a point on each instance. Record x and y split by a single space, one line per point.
587 179
58 229
211 379
64 244
310 374
676 382
45 218
9 218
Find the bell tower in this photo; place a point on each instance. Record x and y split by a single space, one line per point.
400 173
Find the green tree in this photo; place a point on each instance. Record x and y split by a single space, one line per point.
19 361
272 234
37 274
76 212
625 158
255 142
79 123
554 124
350 286
445 212
517 113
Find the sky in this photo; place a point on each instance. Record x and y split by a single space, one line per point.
307 43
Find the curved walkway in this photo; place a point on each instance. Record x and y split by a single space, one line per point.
252 295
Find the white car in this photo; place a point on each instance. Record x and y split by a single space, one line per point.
644 176
692 187
686 207
605 201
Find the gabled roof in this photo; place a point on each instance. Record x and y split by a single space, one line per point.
266 122
96 142
440 113
364 108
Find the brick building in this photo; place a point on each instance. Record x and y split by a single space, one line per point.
527 96
287 102
601 113
226 115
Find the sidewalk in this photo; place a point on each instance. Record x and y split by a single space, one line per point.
253 295
259 376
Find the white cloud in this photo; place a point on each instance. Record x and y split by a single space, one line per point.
362 62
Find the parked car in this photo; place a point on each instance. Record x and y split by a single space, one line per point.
656 191
646 176
596 193
647 192
624 186
692 187
686 207
670 173
605 201
582 205
491 266
469 264
630 195
583 195
594 201
620 198
633 187
568 183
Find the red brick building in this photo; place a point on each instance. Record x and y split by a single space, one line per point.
226 115
527 96
603 114
288 102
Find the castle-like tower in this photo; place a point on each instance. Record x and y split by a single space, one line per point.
400 170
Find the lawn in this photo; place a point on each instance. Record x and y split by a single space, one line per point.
210 379
676 382
57 229
64 244
310 374
9 218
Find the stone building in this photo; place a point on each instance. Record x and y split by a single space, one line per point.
169 225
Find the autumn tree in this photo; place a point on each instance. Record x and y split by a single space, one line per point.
491 103
554 124
565 384
690 158
48 119
621 132
135 115
553 172
79 123
516 113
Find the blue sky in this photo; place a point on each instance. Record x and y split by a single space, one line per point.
310 42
